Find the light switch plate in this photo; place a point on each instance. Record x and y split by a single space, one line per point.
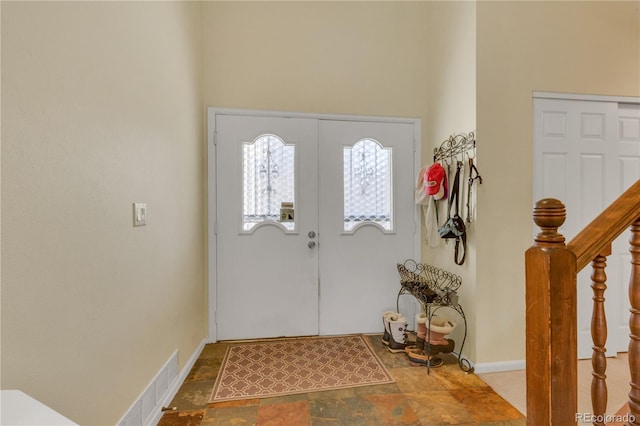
139 214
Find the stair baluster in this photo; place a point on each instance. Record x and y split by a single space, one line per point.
599 336
634 324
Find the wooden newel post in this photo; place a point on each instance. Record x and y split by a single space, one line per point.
551 318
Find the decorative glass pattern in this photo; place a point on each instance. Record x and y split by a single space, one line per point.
368 192
268 182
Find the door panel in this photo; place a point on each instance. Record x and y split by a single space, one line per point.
358 271
267 276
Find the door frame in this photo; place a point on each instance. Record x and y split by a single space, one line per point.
212 112
585 97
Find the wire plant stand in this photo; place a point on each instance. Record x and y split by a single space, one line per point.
434 288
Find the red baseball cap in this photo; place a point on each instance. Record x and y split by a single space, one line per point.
436 181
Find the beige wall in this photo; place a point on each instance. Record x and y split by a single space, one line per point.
451 110
101 107
577 47
325 57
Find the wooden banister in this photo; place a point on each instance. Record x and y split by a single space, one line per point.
605 228
551 315
551 321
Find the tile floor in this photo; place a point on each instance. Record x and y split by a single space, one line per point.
446 396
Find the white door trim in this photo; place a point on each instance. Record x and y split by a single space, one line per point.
317 116
212 112
586 97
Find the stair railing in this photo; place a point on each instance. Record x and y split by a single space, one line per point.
551 315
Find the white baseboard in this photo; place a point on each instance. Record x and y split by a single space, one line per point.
496 367
147 408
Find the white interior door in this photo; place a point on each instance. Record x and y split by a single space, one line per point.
352 201
586 153
267 275
628 173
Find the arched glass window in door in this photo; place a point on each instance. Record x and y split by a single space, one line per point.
268 183
368 189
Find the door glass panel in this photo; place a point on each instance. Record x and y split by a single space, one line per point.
368 190
268 183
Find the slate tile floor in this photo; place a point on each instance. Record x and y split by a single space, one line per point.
447 396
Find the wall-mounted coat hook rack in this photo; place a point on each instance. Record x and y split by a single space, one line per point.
456 145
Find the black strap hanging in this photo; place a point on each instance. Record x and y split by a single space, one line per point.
454 191
463 236
454 226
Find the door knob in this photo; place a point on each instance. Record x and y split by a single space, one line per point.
312 234
311 244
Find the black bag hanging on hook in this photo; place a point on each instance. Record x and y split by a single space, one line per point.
454 226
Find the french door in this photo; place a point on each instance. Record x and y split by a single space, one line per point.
267 268
312 215
586 154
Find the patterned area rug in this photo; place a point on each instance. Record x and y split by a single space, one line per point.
300 365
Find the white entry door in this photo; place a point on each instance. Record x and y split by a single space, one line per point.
267 274
587 153
365 169
312 217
